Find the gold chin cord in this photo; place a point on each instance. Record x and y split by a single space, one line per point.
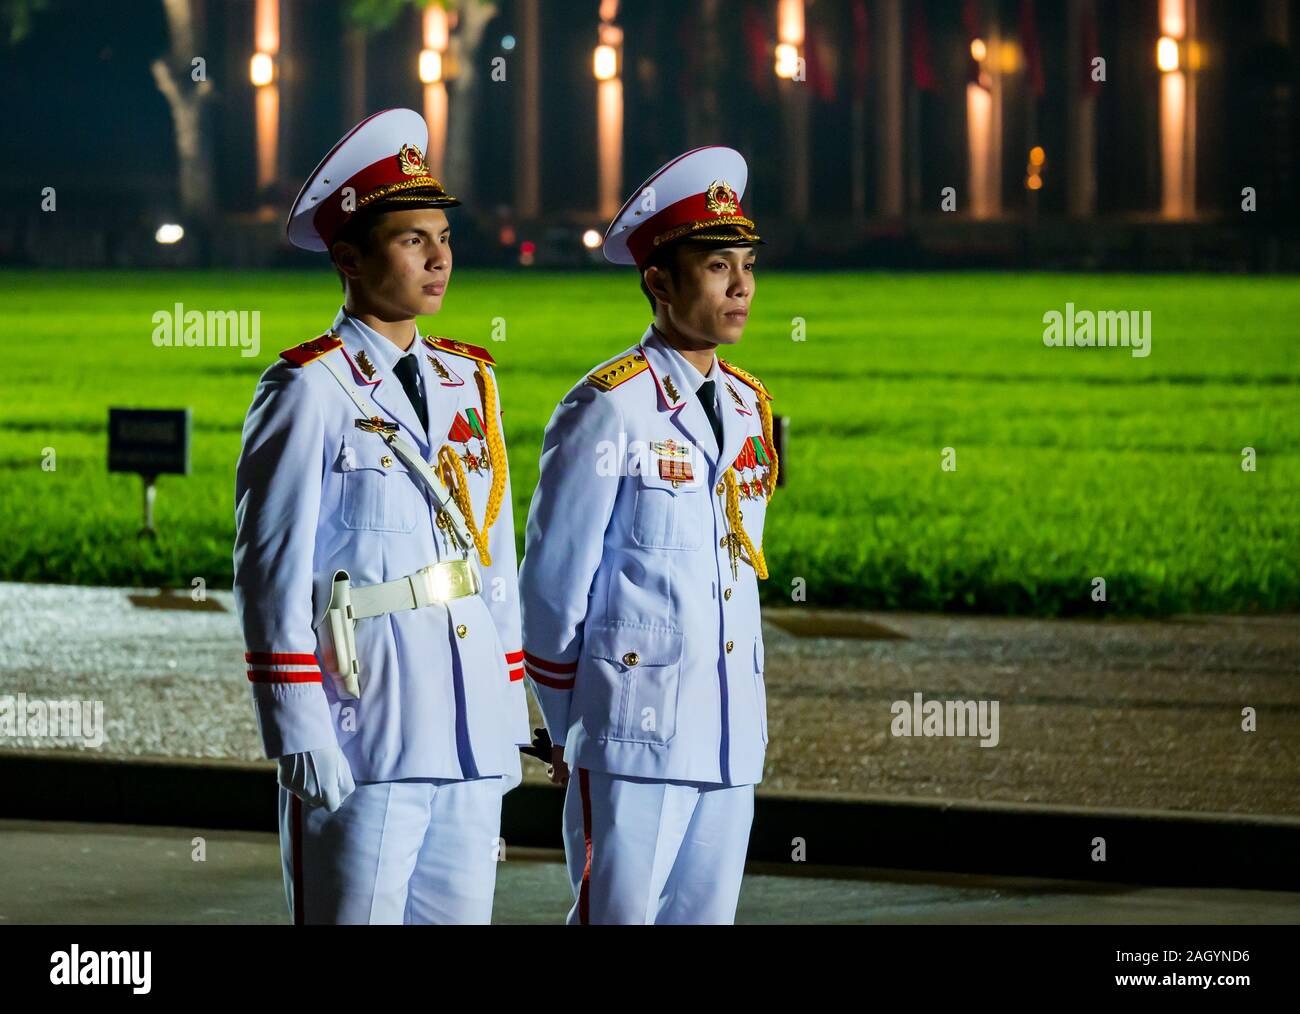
452 472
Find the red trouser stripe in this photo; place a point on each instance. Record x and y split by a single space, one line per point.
584 893
295 836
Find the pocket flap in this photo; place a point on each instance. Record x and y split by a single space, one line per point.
612 641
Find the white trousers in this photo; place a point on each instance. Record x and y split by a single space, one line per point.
643 851
394 852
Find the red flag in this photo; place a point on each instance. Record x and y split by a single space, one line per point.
860 48
919 44
758 49
819 78
1033 51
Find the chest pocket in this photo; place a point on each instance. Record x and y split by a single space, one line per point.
377 497
670 517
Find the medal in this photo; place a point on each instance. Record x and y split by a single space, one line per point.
462 431
675 470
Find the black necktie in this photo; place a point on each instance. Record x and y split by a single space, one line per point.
705 393
405 370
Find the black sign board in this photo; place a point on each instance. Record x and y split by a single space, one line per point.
151 441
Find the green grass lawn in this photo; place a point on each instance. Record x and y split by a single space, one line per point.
1072 463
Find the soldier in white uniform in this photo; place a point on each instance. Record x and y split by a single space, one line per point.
639 583
375 564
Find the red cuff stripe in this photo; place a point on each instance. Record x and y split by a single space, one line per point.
552 666
550 681
514 657
278 658
516 674
297 676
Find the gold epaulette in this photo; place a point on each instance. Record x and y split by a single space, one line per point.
460 348
309 352
612 374
748 378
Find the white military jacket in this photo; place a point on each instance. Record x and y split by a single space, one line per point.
643 648
441 686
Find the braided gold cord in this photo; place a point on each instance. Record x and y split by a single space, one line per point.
453 476
756 559
496 447
765 413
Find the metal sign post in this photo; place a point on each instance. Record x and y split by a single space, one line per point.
151 442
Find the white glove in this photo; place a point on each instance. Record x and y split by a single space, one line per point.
318 777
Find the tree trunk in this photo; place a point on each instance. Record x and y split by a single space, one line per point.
187 99
474 16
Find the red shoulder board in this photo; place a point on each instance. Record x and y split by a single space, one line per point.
748 378
460 348
308 352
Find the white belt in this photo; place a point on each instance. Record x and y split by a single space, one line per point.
438 582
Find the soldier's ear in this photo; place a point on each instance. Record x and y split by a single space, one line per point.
347 258
658 282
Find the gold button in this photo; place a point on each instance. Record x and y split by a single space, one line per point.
719 489
723 542
386 461
631 658
727 594
462 630
730 645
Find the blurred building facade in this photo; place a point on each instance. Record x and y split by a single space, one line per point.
1090 133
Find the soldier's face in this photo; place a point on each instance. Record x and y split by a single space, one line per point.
408 265
709 295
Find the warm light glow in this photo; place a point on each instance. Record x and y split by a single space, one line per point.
261 69
1173 18
978 50
609 146
430 66
787 60
979 140
435 28
1175 193
789 22
435 115
266 26
605 63
1036 155
1034 182
1008 56
169 233
591 239
1167 54
266 112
